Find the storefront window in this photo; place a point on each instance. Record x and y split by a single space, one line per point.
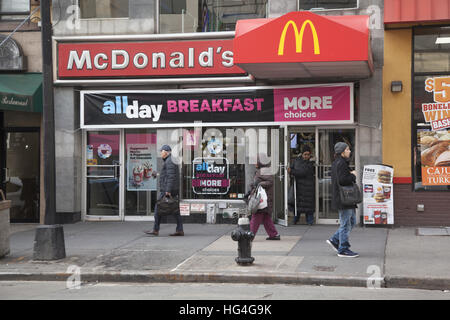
180 16
327 4
431 109
103 9
140 171
213 164
14 9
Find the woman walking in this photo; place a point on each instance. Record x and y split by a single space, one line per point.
264 179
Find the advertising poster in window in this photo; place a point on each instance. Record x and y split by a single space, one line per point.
435 143
378 194
210 176
141 167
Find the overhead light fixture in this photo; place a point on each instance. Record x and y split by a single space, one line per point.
396 86
443 40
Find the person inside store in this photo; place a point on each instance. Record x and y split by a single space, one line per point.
168 187
302 169
340 173
264 178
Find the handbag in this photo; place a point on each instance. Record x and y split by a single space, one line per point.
253 201
349 195
168 205
291 195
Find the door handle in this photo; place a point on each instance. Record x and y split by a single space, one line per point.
6 170
117 171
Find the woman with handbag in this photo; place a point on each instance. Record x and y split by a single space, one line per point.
264 179
341 175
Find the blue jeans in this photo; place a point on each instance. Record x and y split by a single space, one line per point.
348 219
176 214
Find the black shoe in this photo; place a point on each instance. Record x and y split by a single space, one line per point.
347 253
333 244
277 237
152 233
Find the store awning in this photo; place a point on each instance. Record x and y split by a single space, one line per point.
21 92
302 44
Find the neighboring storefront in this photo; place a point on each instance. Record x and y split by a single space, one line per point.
20 110
416 110
219 99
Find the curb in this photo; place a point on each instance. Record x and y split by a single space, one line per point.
427 283
177 277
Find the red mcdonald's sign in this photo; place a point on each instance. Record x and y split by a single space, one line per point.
302 37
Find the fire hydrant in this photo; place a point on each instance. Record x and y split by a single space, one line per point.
244 237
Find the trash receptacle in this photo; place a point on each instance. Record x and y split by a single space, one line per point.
5 205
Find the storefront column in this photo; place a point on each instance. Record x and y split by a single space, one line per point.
68 151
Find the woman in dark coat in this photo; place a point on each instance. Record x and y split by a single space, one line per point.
303 171
264 179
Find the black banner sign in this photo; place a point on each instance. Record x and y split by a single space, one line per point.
152 108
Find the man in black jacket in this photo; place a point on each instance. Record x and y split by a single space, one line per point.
303 171
341 174
169 181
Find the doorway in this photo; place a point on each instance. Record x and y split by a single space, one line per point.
321 141
20 172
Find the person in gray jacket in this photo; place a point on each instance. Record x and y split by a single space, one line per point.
169 181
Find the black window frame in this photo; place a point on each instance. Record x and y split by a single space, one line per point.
318 6
414 123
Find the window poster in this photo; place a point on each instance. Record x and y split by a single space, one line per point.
435 143
210 176
378 194
141 167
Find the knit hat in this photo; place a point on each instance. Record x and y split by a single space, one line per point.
340 147
165 148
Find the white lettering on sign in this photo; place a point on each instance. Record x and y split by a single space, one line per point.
305 103
120 59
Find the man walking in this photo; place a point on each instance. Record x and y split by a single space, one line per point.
169 181
341 174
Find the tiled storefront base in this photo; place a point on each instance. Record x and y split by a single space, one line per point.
436 207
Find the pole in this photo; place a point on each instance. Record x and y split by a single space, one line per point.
48 115
49 238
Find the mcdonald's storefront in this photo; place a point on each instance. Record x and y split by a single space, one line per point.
220 98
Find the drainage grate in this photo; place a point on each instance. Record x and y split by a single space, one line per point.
325 268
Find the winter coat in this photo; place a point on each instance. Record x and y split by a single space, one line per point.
304 174
169 178
266 181
340 171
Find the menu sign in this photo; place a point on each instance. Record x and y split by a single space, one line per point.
378 194
210 176
437 113
435 157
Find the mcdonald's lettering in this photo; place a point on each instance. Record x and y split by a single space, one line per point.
298 37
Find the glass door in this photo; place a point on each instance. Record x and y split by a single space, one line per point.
327 138
21 173
278 141
299 138
140 172
103 175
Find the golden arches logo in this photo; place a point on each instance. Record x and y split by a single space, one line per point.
298 37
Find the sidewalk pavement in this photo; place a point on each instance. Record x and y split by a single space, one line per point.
121 252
